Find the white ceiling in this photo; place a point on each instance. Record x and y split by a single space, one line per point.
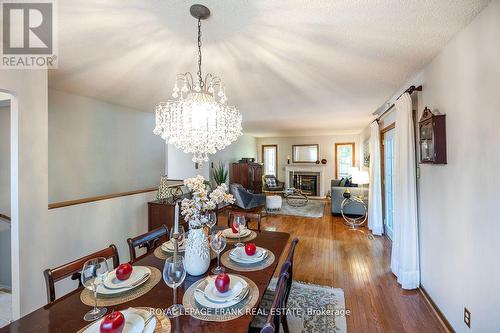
292 67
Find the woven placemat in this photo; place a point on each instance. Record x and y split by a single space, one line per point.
163 324
248 238
87 296
160 254
219 315
236 266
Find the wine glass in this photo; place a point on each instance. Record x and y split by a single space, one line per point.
239 223
211 218
174 274
218 244
93 274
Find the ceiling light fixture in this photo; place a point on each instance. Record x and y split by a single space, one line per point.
197 119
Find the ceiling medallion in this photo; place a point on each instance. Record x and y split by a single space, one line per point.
197 119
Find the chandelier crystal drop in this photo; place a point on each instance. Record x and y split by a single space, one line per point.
197 119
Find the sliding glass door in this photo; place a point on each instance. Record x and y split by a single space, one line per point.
388 141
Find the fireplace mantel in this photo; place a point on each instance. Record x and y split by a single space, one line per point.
319 168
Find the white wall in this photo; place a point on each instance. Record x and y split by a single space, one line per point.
458 207
78 230
459 224
29 184
100 148
245 146
5 160
5 263
180 165
326 151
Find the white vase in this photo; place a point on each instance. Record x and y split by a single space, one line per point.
197 253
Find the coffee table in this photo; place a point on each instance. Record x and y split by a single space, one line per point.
295 197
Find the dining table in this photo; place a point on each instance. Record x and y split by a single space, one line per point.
66 313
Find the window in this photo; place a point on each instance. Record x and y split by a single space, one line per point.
344 159
270 159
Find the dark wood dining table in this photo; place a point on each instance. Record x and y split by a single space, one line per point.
66 313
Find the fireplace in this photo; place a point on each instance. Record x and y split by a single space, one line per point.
307 182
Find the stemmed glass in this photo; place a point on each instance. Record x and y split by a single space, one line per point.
174 274
211 220
93 274
239 223
218 244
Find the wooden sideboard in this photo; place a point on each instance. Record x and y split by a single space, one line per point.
160 213
249 175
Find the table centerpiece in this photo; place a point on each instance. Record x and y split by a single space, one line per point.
197 253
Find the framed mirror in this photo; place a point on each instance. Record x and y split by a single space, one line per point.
305 153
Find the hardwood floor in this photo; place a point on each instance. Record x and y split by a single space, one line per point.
331 254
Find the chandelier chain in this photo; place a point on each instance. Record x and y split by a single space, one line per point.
200 79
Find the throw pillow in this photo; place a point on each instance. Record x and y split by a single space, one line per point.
348 182
342 182
271 182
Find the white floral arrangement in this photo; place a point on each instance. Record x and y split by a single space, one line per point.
194 209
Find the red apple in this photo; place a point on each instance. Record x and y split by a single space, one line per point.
222 282
233 227
250 249
113 323
123 271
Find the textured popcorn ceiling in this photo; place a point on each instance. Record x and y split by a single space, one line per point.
292 67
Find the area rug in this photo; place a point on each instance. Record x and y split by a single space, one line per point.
311 308
314 208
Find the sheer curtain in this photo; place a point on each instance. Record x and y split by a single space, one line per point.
375 221
405 260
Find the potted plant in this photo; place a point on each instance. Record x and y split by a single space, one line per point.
197 253
220 174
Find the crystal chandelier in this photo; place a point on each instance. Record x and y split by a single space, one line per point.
197 119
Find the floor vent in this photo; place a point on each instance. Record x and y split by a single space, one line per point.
370 237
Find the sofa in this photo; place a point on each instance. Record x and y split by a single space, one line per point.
338 188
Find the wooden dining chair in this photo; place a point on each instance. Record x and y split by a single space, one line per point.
74 269
150 240
280 291
249 217
288 269
277 316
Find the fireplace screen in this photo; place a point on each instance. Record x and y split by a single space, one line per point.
307 183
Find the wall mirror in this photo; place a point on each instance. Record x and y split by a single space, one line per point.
305 153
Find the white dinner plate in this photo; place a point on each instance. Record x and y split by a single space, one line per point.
134 323
239 255
145 314
138 273
229 233
236 284
205 302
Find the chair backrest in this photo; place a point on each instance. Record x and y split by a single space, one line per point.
249 216
149 240
275 315
288 268
241 196
74 269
